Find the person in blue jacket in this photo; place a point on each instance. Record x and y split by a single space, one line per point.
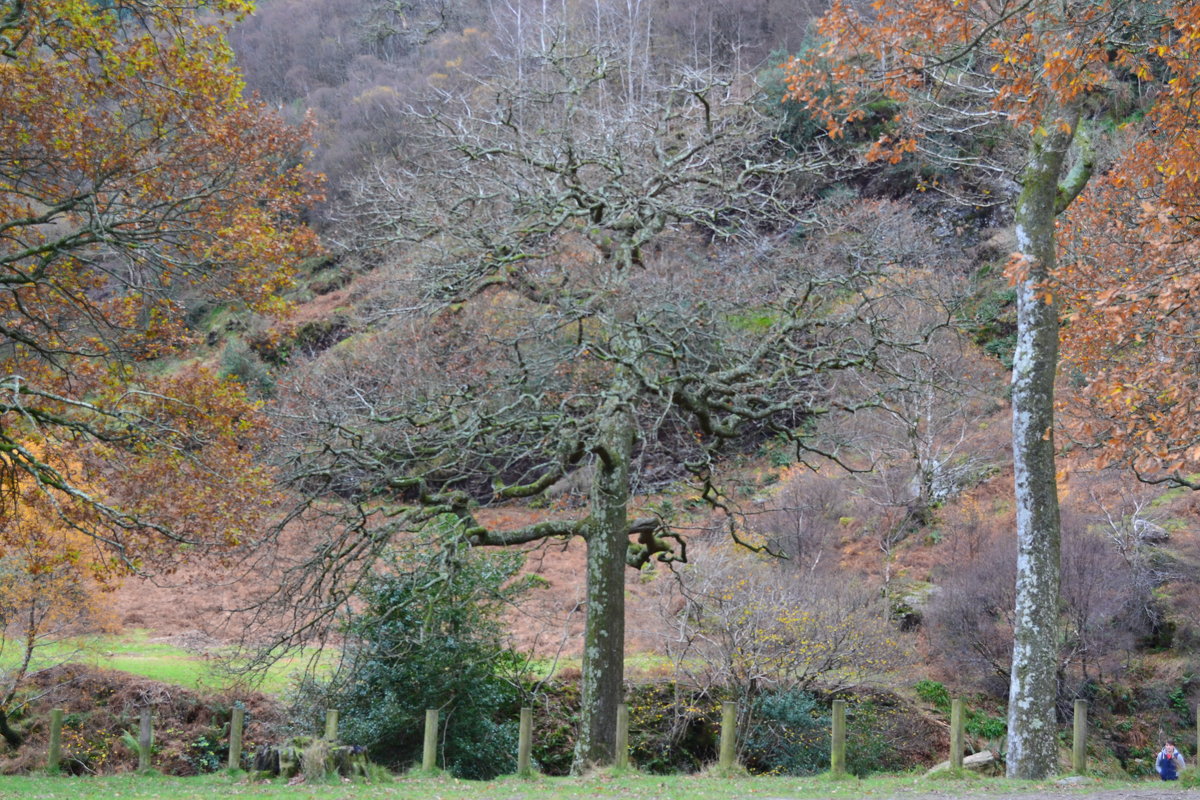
1169 762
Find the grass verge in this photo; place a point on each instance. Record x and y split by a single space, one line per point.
600 785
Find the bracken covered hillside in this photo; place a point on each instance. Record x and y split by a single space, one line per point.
701 321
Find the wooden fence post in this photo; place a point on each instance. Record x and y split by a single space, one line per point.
55 755
145 740
429 755
331 724
622 736
525 743
236 722
728 735
1079 743
956 733
837 750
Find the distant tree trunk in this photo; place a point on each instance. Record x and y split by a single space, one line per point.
13 739
1032 741
604 636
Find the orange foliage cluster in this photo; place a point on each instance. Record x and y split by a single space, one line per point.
1130 274
1013 62
1132 278
134 178
50 571
51 575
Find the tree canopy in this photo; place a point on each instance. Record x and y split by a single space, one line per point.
1131 275
1016 93
134 179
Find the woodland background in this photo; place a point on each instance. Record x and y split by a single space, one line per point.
488 168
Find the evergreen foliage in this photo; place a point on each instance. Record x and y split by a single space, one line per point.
791 736
429 636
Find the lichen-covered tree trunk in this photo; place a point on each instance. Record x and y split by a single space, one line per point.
1032 741
604 635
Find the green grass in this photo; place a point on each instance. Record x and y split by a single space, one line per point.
1171 495
689 787
649 664
754 321
636 665
135 652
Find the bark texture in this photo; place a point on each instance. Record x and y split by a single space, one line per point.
1032 740
604 635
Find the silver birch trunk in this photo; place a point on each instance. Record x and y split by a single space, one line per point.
1032 740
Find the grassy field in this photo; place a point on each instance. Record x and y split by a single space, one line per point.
598 786
138 653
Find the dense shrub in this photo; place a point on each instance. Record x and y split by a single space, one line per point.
789 734
555 722
882 736
428 636
240 362
797 126
673 728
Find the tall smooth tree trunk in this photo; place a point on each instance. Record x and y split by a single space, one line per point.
604 634
1032 740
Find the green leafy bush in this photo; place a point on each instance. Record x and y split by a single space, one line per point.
876 734
429 636
934 693
791 734
240 362
985 726
208 753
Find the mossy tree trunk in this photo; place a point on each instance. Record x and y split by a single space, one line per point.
607 536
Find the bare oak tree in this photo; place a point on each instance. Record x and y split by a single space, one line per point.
598 294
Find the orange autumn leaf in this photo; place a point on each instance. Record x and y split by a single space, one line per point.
135 179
